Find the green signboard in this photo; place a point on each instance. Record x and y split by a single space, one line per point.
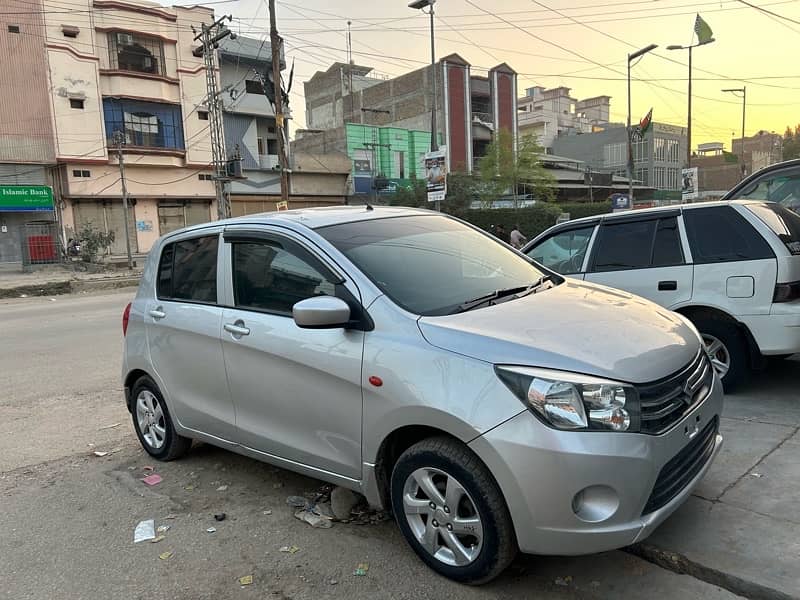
25 198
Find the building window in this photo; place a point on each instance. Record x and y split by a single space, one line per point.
205 177
135 52
640 151
666 150
614 154
673 178
76 103
260 142
146 124
643 175
70 31
80 173
252 86
13 29
202 115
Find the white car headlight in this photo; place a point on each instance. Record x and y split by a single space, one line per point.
574 402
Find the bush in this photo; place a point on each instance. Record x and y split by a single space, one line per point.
93 241
535 219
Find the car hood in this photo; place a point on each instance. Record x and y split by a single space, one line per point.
576 326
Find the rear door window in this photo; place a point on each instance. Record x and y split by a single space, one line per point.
188 271
720 234
622 246
667 249
784 222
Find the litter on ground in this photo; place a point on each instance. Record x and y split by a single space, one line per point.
145 530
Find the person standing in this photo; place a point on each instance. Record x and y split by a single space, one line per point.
518 240
501 234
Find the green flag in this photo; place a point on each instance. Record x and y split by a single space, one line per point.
703 31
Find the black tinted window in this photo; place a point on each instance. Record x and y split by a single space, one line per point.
269 277
624 246
188 270
719 233
667 249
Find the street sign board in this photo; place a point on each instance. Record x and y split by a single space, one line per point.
25 198
436 174
620 202
689 188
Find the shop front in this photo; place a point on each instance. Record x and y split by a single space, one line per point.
28 229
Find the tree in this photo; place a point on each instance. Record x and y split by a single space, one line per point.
791 143
502 170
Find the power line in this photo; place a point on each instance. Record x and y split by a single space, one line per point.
769 12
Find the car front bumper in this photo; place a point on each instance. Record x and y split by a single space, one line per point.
542 473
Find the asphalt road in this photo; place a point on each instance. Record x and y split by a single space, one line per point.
67 517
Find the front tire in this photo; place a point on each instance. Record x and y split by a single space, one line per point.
727 348
153 423
451 511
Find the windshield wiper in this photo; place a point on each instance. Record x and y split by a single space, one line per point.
518 292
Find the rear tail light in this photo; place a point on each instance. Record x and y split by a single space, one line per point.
786 292
125 318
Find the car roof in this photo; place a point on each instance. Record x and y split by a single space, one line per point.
635 215
317 217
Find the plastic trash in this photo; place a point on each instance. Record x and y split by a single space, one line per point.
313 519
100 454
361 569
165 555
290 549
211 530
267 512
222 488
246 580
297 501
145 530
158 538
163 528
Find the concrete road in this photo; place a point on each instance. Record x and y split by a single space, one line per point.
67 517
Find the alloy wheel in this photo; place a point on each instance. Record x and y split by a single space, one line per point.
718 354
442 516
150 417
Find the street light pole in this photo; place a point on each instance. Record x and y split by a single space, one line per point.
420 5
689 110
632 57
735 91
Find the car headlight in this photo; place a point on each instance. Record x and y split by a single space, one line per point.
574 402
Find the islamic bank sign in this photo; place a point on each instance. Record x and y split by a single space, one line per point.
25 198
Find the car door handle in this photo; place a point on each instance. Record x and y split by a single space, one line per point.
237 329
667 286
158 313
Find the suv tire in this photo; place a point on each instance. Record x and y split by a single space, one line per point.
153 423
470 542
726 345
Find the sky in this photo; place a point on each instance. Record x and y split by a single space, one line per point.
580 44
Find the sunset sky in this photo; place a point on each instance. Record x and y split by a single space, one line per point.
574 43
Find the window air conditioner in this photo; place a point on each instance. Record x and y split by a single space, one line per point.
125 39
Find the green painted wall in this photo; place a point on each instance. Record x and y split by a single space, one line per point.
391 141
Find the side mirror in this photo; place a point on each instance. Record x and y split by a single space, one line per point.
321 312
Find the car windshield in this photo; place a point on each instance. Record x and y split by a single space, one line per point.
431 264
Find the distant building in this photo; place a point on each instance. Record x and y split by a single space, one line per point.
758 151
548 114
470 109
658 157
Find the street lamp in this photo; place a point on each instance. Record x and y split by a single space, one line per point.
689 120
420 5
735 92
631 57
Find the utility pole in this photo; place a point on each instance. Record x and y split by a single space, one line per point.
119 139
421 5
628 130
275 43
735 91
209 37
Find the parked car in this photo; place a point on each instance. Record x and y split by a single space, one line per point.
490 403
776 183
732 268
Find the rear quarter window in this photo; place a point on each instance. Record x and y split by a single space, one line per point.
784 222
720 234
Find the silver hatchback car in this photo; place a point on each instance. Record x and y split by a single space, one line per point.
491 404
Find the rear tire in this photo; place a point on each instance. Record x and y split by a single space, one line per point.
456 520
727 348
153 423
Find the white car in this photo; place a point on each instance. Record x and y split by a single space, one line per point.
732 268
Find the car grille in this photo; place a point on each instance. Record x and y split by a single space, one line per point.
666 402
682 468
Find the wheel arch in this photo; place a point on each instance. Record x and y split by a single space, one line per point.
693 311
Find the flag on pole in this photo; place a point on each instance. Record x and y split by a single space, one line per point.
645 123
703 31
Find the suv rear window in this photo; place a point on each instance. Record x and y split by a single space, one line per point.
720 234
784 222
188 271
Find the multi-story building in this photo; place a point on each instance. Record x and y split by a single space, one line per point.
758 151
125 70
548 114
27 150
470 109
658 157
251 134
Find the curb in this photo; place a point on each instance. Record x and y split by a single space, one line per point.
680 564
69 286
